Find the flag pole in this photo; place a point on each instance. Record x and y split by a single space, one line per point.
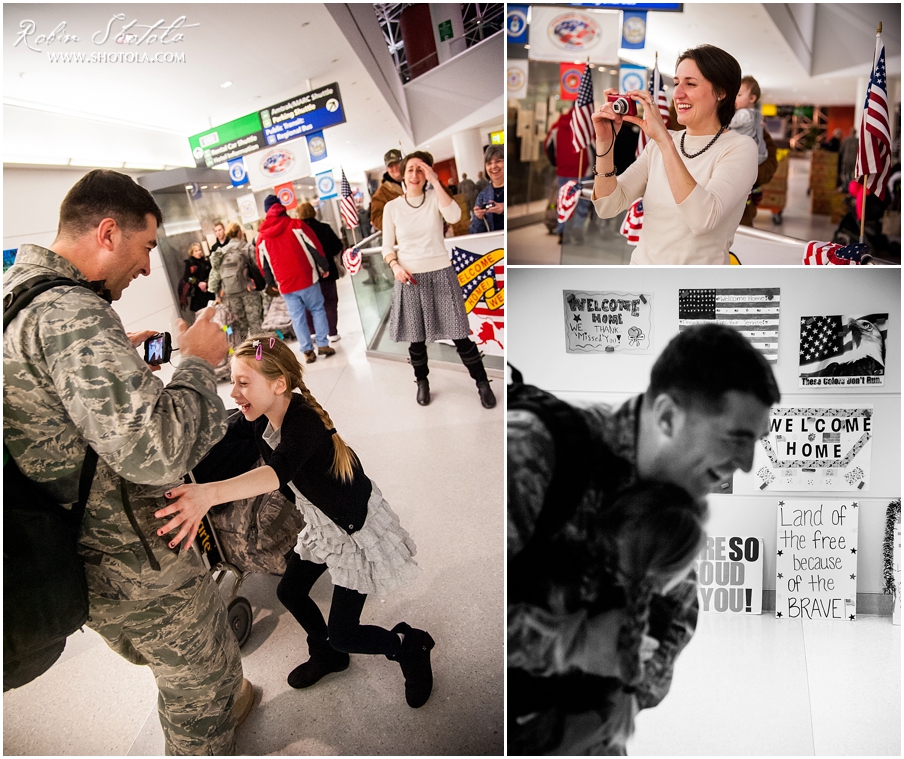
865 190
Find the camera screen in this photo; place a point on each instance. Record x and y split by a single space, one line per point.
155 349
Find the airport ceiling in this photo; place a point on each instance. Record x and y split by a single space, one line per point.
270 53
846 35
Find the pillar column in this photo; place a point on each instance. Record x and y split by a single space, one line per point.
468 149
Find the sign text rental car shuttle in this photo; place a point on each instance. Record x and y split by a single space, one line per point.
296 117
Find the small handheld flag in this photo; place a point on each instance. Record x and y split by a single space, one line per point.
347 206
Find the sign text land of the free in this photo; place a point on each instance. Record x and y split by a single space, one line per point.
816 560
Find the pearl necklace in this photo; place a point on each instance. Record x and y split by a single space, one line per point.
423 200
711 142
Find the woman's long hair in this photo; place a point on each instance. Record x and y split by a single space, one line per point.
274 359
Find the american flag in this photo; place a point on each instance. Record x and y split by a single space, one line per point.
347 206
633 222
752 311
351 259
821 338
826 253
874 151
657 91
569 195
582 130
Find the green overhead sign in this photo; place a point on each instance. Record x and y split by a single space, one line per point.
227 141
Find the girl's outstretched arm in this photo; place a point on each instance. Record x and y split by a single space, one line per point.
193 501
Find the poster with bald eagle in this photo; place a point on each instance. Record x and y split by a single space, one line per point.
842 351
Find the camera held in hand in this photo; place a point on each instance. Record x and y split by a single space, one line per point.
158 349
622 105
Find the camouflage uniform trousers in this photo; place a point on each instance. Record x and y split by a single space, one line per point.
184 638
247 307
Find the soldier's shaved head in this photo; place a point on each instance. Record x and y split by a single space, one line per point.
103 194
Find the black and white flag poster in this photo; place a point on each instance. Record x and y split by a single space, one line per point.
842 351
753 311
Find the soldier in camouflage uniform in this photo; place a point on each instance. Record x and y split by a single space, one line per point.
72 378
698 422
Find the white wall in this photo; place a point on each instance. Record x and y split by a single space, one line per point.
536 346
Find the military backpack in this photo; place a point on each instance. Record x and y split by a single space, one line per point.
45 594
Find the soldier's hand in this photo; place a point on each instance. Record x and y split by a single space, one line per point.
137 338
192 503
204 339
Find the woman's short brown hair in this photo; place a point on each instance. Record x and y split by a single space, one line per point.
422 154
234 231
306 211
722 71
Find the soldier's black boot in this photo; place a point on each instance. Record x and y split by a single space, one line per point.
324 660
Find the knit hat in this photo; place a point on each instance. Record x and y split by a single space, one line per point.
391 157
270 201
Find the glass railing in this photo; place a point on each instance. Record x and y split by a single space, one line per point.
373 293
599 241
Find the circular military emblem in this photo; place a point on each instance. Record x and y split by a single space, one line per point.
332 104
237 172
574 32
286 196
515 22
515 79
317 146
632 81
326 185
247 208
570 81
275 163
634 29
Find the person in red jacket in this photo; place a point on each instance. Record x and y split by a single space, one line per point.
570 164
289 252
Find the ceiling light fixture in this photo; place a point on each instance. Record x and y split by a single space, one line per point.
226 84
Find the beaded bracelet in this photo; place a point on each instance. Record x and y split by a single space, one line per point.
600 174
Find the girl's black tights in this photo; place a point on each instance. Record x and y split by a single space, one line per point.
344 630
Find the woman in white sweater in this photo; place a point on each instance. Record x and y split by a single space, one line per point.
695 182
427 303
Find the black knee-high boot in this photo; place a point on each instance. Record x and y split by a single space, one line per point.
473 361
417 353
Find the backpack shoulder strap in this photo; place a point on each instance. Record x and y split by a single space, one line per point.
572 440
13 303
26 292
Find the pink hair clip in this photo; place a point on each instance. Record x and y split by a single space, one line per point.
260 349
272 341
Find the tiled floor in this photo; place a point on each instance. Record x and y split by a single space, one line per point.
532 245
758 686
440 468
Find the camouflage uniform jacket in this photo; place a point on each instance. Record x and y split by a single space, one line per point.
71 378
539 641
